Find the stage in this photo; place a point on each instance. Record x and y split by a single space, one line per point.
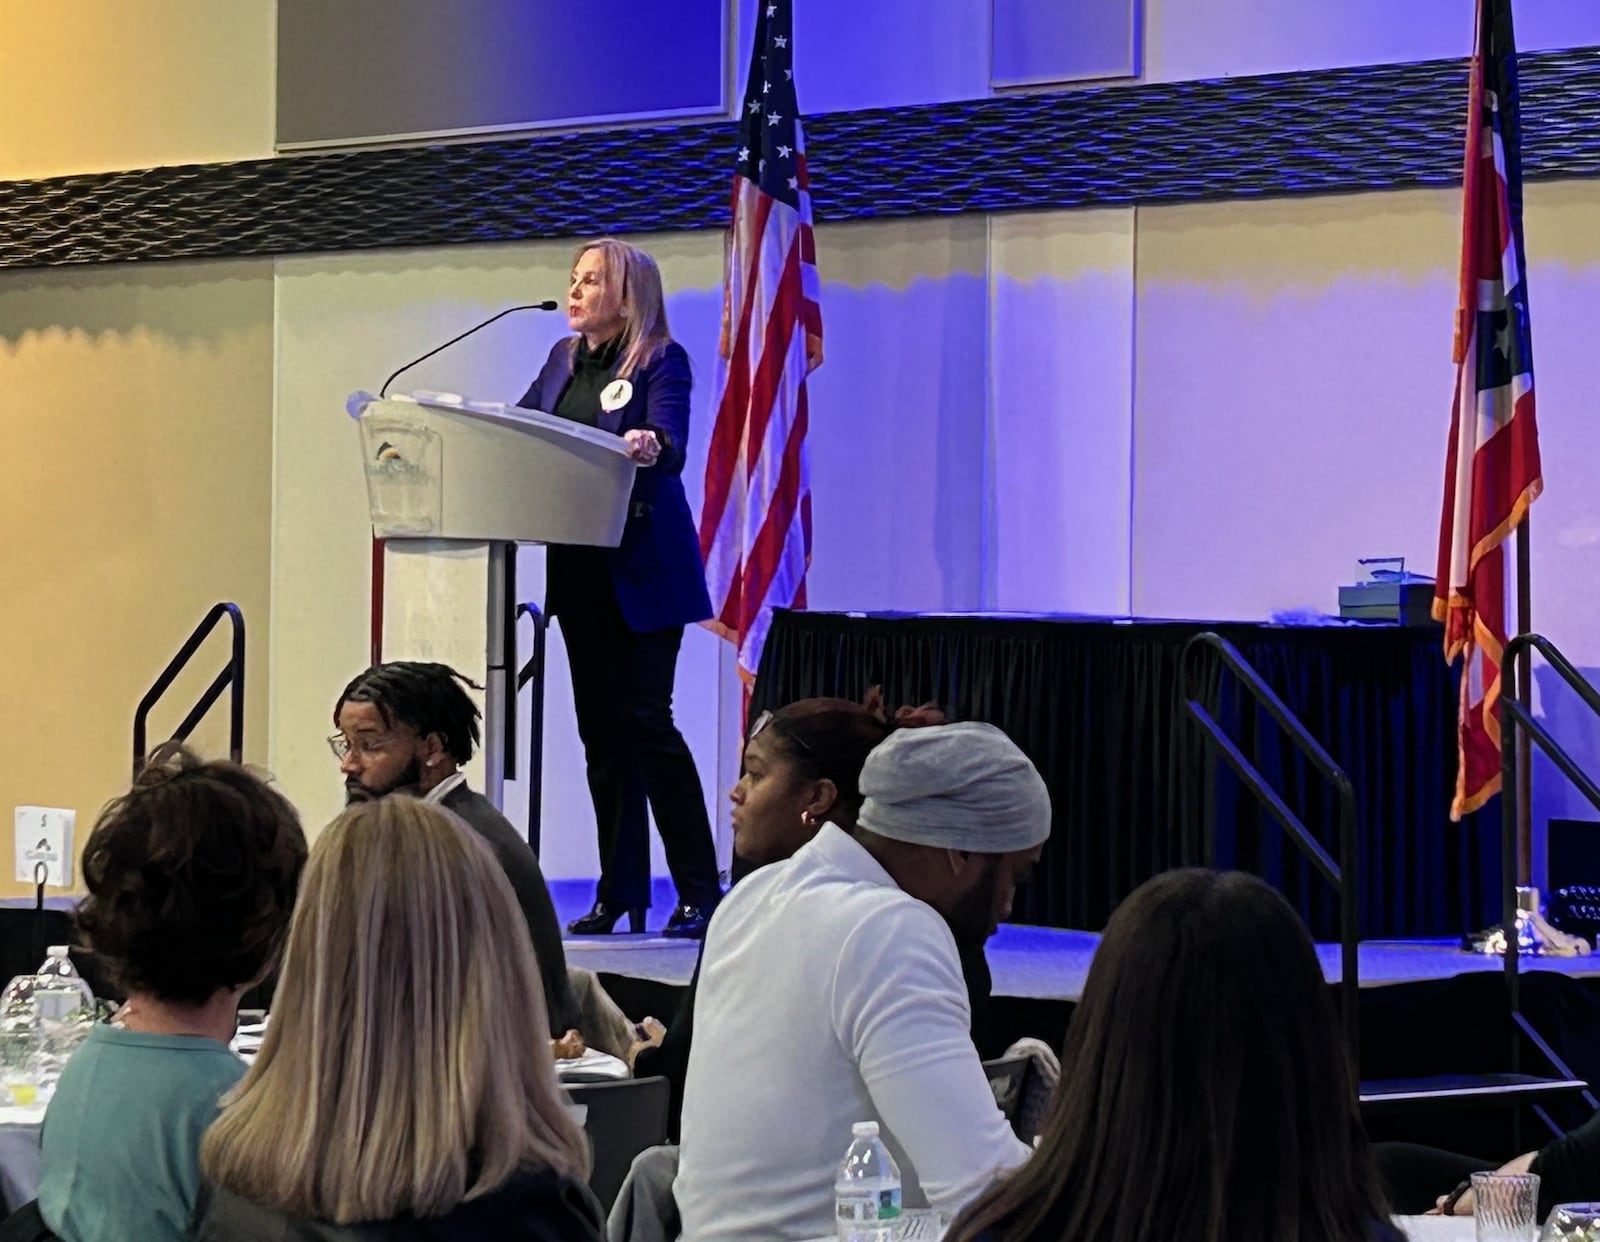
1427 1009
1046 963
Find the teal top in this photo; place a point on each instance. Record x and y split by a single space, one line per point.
121 1137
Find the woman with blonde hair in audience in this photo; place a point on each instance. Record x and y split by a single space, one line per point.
1205 1092
404 1088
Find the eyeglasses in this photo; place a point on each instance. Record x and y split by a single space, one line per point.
342 746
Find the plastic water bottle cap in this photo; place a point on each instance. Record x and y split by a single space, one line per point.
56 950
864 1129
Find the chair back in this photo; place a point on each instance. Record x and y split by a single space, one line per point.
622 1118
1008 1076
27 1225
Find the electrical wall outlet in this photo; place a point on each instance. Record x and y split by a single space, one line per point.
43 835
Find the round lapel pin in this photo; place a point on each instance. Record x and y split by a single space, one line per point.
615 395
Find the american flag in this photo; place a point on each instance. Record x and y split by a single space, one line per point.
755 526
1492 469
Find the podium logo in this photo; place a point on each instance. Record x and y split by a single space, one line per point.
390 464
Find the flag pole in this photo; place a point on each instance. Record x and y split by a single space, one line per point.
1524 790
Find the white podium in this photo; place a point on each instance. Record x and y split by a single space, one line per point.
453 485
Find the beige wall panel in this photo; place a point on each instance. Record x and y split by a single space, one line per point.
95 85
1061 397
1228 38
1292 397
1294 385
897 435
137 411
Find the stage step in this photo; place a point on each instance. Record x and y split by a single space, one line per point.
1465 1091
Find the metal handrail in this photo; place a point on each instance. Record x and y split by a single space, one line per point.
1344 874
533 672
232 674
1514 716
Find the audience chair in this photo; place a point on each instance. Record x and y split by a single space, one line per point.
26 1225
622 1118
1008 1078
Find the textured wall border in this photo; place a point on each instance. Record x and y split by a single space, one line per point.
1370 128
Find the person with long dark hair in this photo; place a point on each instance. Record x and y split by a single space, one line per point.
1205 1093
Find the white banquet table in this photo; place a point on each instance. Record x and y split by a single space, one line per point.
1416 1228
19 1153
1437 1228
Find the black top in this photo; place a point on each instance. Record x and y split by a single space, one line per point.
591 372
521 866
533 1206
1569 1168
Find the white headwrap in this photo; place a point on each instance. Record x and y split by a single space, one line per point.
962 786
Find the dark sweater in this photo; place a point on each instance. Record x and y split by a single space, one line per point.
591 372
521 866
1569 1167
533 1206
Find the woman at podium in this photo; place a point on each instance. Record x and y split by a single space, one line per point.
622 610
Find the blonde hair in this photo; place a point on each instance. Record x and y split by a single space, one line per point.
404 1069
635 276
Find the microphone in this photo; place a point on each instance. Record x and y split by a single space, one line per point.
538 306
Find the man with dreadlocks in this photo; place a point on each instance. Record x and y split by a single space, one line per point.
407 727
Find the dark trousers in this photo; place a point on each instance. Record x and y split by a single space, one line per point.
622 693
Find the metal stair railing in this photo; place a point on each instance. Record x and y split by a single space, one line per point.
1514 716
231 676
1343 874
532 673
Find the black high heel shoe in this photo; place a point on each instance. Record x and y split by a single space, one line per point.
602 921
688 923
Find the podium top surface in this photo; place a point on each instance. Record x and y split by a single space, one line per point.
515 416
442 466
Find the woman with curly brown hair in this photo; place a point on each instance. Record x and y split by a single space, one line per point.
191 878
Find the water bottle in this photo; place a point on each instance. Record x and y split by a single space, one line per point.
58 989
867 1191
66 1012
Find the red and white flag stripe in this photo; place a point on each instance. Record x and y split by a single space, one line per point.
755 529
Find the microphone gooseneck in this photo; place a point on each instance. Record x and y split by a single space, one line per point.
538 306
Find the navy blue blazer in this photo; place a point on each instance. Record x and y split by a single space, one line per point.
659 577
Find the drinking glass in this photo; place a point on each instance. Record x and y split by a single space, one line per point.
1505 1206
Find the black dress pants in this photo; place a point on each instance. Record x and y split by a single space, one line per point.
622 693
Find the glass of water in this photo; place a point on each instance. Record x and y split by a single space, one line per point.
1505 1206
